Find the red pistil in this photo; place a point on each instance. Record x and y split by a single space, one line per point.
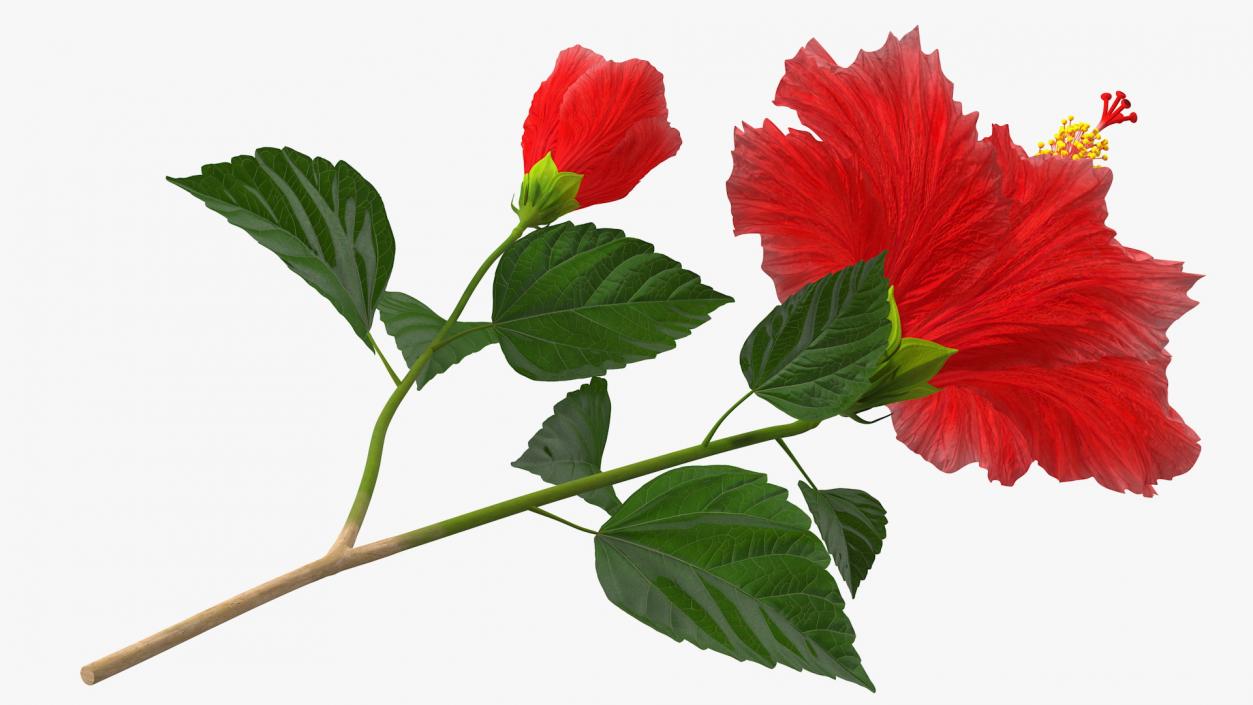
1112 112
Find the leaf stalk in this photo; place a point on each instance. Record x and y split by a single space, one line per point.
709 436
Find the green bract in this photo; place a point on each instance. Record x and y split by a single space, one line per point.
546 193
324 220
906 369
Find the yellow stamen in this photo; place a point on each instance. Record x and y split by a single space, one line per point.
1075 140
1080 140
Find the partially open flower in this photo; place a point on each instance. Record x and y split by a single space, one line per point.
1060 330
601 125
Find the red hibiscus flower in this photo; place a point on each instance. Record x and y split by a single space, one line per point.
603 120
1060 330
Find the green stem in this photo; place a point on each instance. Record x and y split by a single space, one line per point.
374 456
339 561
709 436
796 462
391 372
565 490
560 520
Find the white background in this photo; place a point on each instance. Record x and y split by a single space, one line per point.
183 418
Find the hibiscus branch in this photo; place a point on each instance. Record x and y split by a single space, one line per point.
374 456
352 557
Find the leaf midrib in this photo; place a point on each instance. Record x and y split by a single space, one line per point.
692 478
593 307
797 352
620 237
766 523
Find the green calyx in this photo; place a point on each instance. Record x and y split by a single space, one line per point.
546 193
906 369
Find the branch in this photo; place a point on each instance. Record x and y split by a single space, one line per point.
339 561
374 456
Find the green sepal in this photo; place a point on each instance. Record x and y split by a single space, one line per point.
894 320
546 193
906 374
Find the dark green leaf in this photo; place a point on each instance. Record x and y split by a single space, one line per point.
414 325
323 220
571 442
813 355
718 557
574 301
853 525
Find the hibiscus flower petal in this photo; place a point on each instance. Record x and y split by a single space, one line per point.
642 147
905 148
539 131
614 107
1060 288
957 427
1107 419
1065 341
816 212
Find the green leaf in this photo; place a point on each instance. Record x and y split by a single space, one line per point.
571 442
573 301
906 374
323 220
814 354
718 557
853 525
414 325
